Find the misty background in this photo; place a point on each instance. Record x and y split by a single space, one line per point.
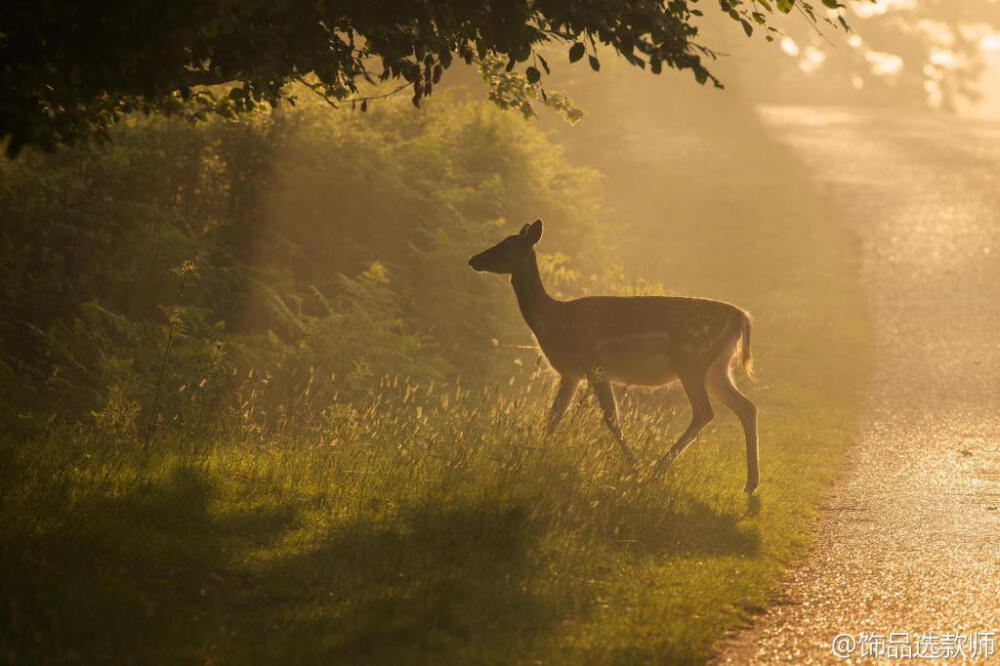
151 274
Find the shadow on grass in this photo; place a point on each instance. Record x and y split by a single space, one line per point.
126 579
154 576
440 585
459 585
649 517
697 529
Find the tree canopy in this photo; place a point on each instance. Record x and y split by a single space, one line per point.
71 70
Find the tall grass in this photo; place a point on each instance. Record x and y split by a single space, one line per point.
425 524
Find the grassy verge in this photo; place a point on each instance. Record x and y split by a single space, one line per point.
432 525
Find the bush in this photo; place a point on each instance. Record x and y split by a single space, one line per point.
229 266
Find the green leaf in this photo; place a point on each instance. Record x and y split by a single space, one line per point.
747 28
785 6
533 75
576 52
595 64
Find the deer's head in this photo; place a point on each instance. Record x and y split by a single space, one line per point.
511 253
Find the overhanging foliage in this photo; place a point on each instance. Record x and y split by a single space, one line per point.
70 70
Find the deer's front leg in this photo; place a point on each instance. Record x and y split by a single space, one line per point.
602 387
567 389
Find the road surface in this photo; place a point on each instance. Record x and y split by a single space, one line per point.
909 542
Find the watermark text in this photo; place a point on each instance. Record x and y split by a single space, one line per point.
926 645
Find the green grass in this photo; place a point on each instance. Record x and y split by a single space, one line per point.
436 526
466 541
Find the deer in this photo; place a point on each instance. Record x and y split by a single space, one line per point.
633 340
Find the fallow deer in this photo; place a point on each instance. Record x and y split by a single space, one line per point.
640 340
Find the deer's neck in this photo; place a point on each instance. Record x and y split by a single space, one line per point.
534 301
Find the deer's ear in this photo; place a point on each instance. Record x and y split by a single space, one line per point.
532 232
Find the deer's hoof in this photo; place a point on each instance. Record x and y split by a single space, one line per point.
662 466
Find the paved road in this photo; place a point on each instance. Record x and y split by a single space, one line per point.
910 541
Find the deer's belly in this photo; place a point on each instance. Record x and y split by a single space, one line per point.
647 370
650 371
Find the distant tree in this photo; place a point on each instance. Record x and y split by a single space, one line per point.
932 49
70 70
926 53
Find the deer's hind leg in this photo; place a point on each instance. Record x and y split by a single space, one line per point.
720 385
602 387
701 414
567 389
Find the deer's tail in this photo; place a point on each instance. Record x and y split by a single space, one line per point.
746 359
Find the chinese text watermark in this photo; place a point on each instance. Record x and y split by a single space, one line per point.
927 645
